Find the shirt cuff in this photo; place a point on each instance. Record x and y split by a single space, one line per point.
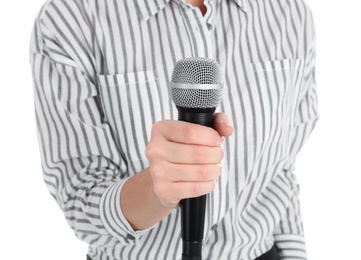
113 218
291 246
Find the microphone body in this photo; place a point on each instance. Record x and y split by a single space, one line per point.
193 209
197 89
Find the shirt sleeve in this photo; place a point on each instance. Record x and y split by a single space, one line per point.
82 167
289 235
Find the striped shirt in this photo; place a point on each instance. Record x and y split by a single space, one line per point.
101 72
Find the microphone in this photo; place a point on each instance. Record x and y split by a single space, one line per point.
196 89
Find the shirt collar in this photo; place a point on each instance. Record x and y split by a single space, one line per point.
148 8
241 4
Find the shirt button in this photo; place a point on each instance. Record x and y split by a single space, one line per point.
130 237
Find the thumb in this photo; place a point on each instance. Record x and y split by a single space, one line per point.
222 125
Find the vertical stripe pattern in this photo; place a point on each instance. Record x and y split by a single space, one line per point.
101 72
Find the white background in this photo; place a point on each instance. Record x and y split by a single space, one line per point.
328 168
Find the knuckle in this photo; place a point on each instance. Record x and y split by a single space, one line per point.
156 172
154 129
160 172
157 125
150 151
153 151
157 128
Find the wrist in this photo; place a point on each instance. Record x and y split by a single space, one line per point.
140 205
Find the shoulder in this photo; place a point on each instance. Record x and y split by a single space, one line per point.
292 10
63 32
62 19
63 11
288 15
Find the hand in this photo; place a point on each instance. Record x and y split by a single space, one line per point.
184 158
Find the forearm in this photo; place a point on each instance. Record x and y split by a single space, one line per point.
139 203
289 234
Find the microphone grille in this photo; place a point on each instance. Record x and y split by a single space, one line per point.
197 71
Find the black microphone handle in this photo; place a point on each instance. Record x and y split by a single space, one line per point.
193 209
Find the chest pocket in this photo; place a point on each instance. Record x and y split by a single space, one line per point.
131 105
276 97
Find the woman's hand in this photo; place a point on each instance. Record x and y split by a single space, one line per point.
184 158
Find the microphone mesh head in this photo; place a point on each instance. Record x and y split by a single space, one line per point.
196 71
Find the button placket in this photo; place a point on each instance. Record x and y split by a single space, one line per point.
183 10
209 16
197 28
204 28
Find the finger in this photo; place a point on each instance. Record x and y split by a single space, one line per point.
222 124
179 153
190 173
187 133
184 190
